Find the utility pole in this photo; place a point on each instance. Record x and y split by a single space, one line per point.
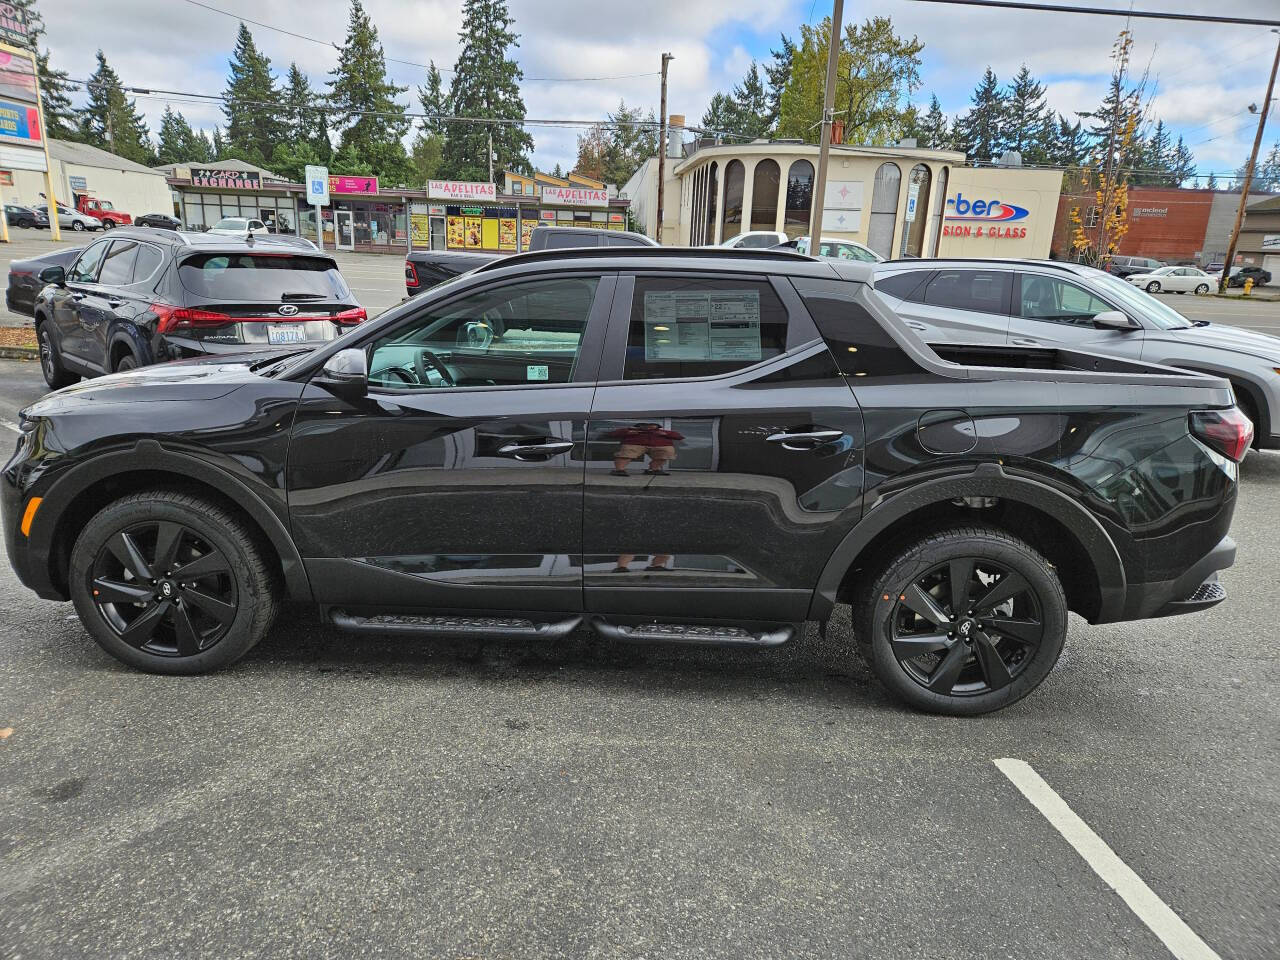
828 113
491 153
662 142
1248 174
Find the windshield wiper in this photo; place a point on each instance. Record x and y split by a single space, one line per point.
287 297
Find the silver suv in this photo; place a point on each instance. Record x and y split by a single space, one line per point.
1048 303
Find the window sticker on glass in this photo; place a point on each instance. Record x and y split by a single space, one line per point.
537 372
702 325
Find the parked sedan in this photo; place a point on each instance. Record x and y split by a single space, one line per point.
833 249
24 277
237 226
1043 303
1239 275
756 240
24 217
1174 280
161 221
70 219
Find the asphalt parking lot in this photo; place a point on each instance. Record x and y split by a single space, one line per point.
338 797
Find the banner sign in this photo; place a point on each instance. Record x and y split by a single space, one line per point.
17 77
461 190
344 184
19 123
575 196
13 25
228 179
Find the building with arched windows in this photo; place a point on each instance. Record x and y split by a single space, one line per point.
898 200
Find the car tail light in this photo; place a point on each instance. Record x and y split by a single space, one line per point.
349 318
1229 432
170 318
410 275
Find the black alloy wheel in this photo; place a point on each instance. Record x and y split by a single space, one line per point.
55 375
963 622
171 582
164 589
126 362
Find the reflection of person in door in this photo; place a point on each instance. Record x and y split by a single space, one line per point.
636 441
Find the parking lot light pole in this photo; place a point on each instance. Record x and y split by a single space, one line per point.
828 112
1248 173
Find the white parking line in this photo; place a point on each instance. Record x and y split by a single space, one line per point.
1151 910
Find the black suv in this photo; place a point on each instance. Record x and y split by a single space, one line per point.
144 296
692 446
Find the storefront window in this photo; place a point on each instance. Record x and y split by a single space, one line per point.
884 209
709 215
735 176
799 198
764 195
935 218
913 230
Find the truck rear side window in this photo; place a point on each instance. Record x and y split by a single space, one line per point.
907 285
861 347
699 327
261 277
986 291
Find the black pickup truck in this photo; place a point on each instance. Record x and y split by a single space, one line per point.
663 446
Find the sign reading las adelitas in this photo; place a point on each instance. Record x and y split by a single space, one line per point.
575 196
461 190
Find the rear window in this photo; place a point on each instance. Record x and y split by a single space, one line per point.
905 286
986 291
265 277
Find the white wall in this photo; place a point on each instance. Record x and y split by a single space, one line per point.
131 191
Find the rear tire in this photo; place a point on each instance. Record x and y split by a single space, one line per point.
214 594
1153 286
969 663
127 361
108 224
55 374
1202 289
77 225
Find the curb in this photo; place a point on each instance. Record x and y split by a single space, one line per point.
19 353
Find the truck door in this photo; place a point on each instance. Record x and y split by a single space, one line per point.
723 455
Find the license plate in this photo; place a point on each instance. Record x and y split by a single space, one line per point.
286 333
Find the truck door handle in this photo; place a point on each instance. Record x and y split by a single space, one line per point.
535 451
113 302
804 439
917 326
77 297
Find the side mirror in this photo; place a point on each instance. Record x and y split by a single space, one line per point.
1113 320
55 275
346 373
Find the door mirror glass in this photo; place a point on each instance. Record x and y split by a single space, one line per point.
1113 320
346 373
54 275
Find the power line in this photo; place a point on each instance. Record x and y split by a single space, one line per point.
1102 11
407 63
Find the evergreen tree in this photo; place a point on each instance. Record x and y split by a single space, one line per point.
750 106
348 160
305 118
1184 164
218 147
435 103
558 173
178 142
1155 164
111 121
778 73
1070 143
980 132
486 84
202 149
719 115
934 129
55 89
1212 182
251 103
612 151
1029 126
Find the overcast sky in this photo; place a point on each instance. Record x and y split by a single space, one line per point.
1207 75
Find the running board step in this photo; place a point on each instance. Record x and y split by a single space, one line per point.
422 626
693 634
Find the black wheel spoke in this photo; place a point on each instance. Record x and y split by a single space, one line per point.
144 625
168 539
960 572
1006 588
206 566
114 591
188 639
220 610
923 605
125 549
993 667
905 648
1027 632
946 673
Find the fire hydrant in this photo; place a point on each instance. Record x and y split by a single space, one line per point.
1248 285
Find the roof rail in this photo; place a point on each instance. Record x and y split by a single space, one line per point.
155 232
647 253
1063 265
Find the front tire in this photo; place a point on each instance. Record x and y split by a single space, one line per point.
1153 286
55 374
1202 289
127 361
171 583
963 622
77 225
108 224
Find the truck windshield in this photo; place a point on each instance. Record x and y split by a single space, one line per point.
103 204
1141 302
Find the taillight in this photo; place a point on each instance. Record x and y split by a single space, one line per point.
170 318
1229 432
349 318
410 275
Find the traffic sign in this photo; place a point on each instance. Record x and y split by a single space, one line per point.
317 185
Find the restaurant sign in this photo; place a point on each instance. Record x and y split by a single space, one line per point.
227 179
365 185
461 190
575 196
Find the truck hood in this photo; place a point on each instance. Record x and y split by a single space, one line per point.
1222 337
